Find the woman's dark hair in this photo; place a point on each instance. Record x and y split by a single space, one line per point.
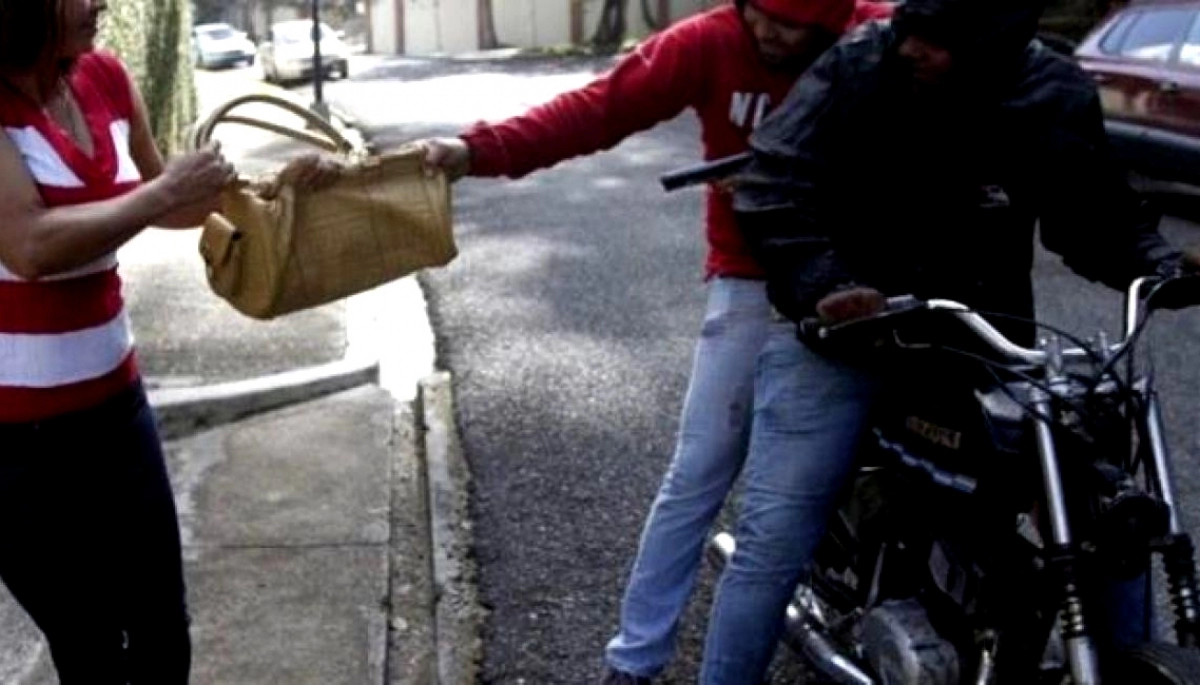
28 29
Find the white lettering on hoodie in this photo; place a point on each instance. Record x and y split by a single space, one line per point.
748 109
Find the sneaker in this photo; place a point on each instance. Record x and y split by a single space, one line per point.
615 677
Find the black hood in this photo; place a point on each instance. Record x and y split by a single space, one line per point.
984 33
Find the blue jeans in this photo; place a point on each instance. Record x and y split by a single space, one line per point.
711 447
809 415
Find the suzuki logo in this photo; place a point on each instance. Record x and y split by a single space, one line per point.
944 437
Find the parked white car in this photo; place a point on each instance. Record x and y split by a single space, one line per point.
287 53
220 45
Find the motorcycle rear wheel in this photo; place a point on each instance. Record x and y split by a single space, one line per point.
1157 663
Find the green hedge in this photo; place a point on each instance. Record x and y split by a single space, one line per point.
153 38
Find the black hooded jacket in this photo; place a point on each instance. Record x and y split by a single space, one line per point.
857 180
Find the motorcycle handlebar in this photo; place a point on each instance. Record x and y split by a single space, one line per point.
814 329
1137 304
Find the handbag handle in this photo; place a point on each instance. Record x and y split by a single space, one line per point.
333 140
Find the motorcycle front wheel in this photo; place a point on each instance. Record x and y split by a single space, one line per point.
1157 664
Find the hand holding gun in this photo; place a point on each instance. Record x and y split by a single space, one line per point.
708 172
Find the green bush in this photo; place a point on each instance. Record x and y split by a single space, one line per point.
152 37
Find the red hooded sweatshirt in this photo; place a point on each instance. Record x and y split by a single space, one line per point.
708 62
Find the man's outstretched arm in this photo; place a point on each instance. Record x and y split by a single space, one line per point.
656 82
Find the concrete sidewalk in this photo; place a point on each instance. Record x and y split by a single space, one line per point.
323 544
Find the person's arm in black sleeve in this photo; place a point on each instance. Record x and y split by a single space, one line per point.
778 198
1103 230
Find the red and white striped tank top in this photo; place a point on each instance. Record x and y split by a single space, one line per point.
65 341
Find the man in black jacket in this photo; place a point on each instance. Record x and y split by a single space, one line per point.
913 158
973 133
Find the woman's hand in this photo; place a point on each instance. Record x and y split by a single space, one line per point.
196 178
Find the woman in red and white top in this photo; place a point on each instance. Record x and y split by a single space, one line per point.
89 539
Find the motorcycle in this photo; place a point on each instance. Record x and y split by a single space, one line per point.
1004 493
1001 496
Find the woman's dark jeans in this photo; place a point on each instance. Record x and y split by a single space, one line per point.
89 543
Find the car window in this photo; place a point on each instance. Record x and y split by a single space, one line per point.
1155 33
1189 54
1111 43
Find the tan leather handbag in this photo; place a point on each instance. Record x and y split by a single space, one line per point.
382 219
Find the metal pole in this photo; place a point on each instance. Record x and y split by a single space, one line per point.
318 104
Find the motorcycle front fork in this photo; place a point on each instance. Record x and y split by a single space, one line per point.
1179 557
1178 552
1081 650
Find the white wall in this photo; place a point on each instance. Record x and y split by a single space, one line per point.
459 25
532 23
440 26
383 27
262 19
421 36
451 26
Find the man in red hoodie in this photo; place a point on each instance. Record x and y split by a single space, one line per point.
731 65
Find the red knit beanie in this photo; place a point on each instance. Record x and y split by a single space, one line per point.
832 15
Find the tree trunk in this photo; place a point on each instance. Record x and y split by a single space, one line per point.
656 20
160 60
487 26
611 29
168 115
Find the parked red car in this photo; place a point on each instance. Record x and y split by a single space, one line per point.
1145 59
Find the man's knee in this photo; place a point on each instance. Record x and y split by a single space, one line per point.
779 552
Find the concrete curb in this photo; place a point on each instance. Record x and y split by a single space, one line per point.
411 641
457 613
183 411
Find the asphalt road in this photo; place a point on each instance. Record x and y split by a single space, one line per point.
568 322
